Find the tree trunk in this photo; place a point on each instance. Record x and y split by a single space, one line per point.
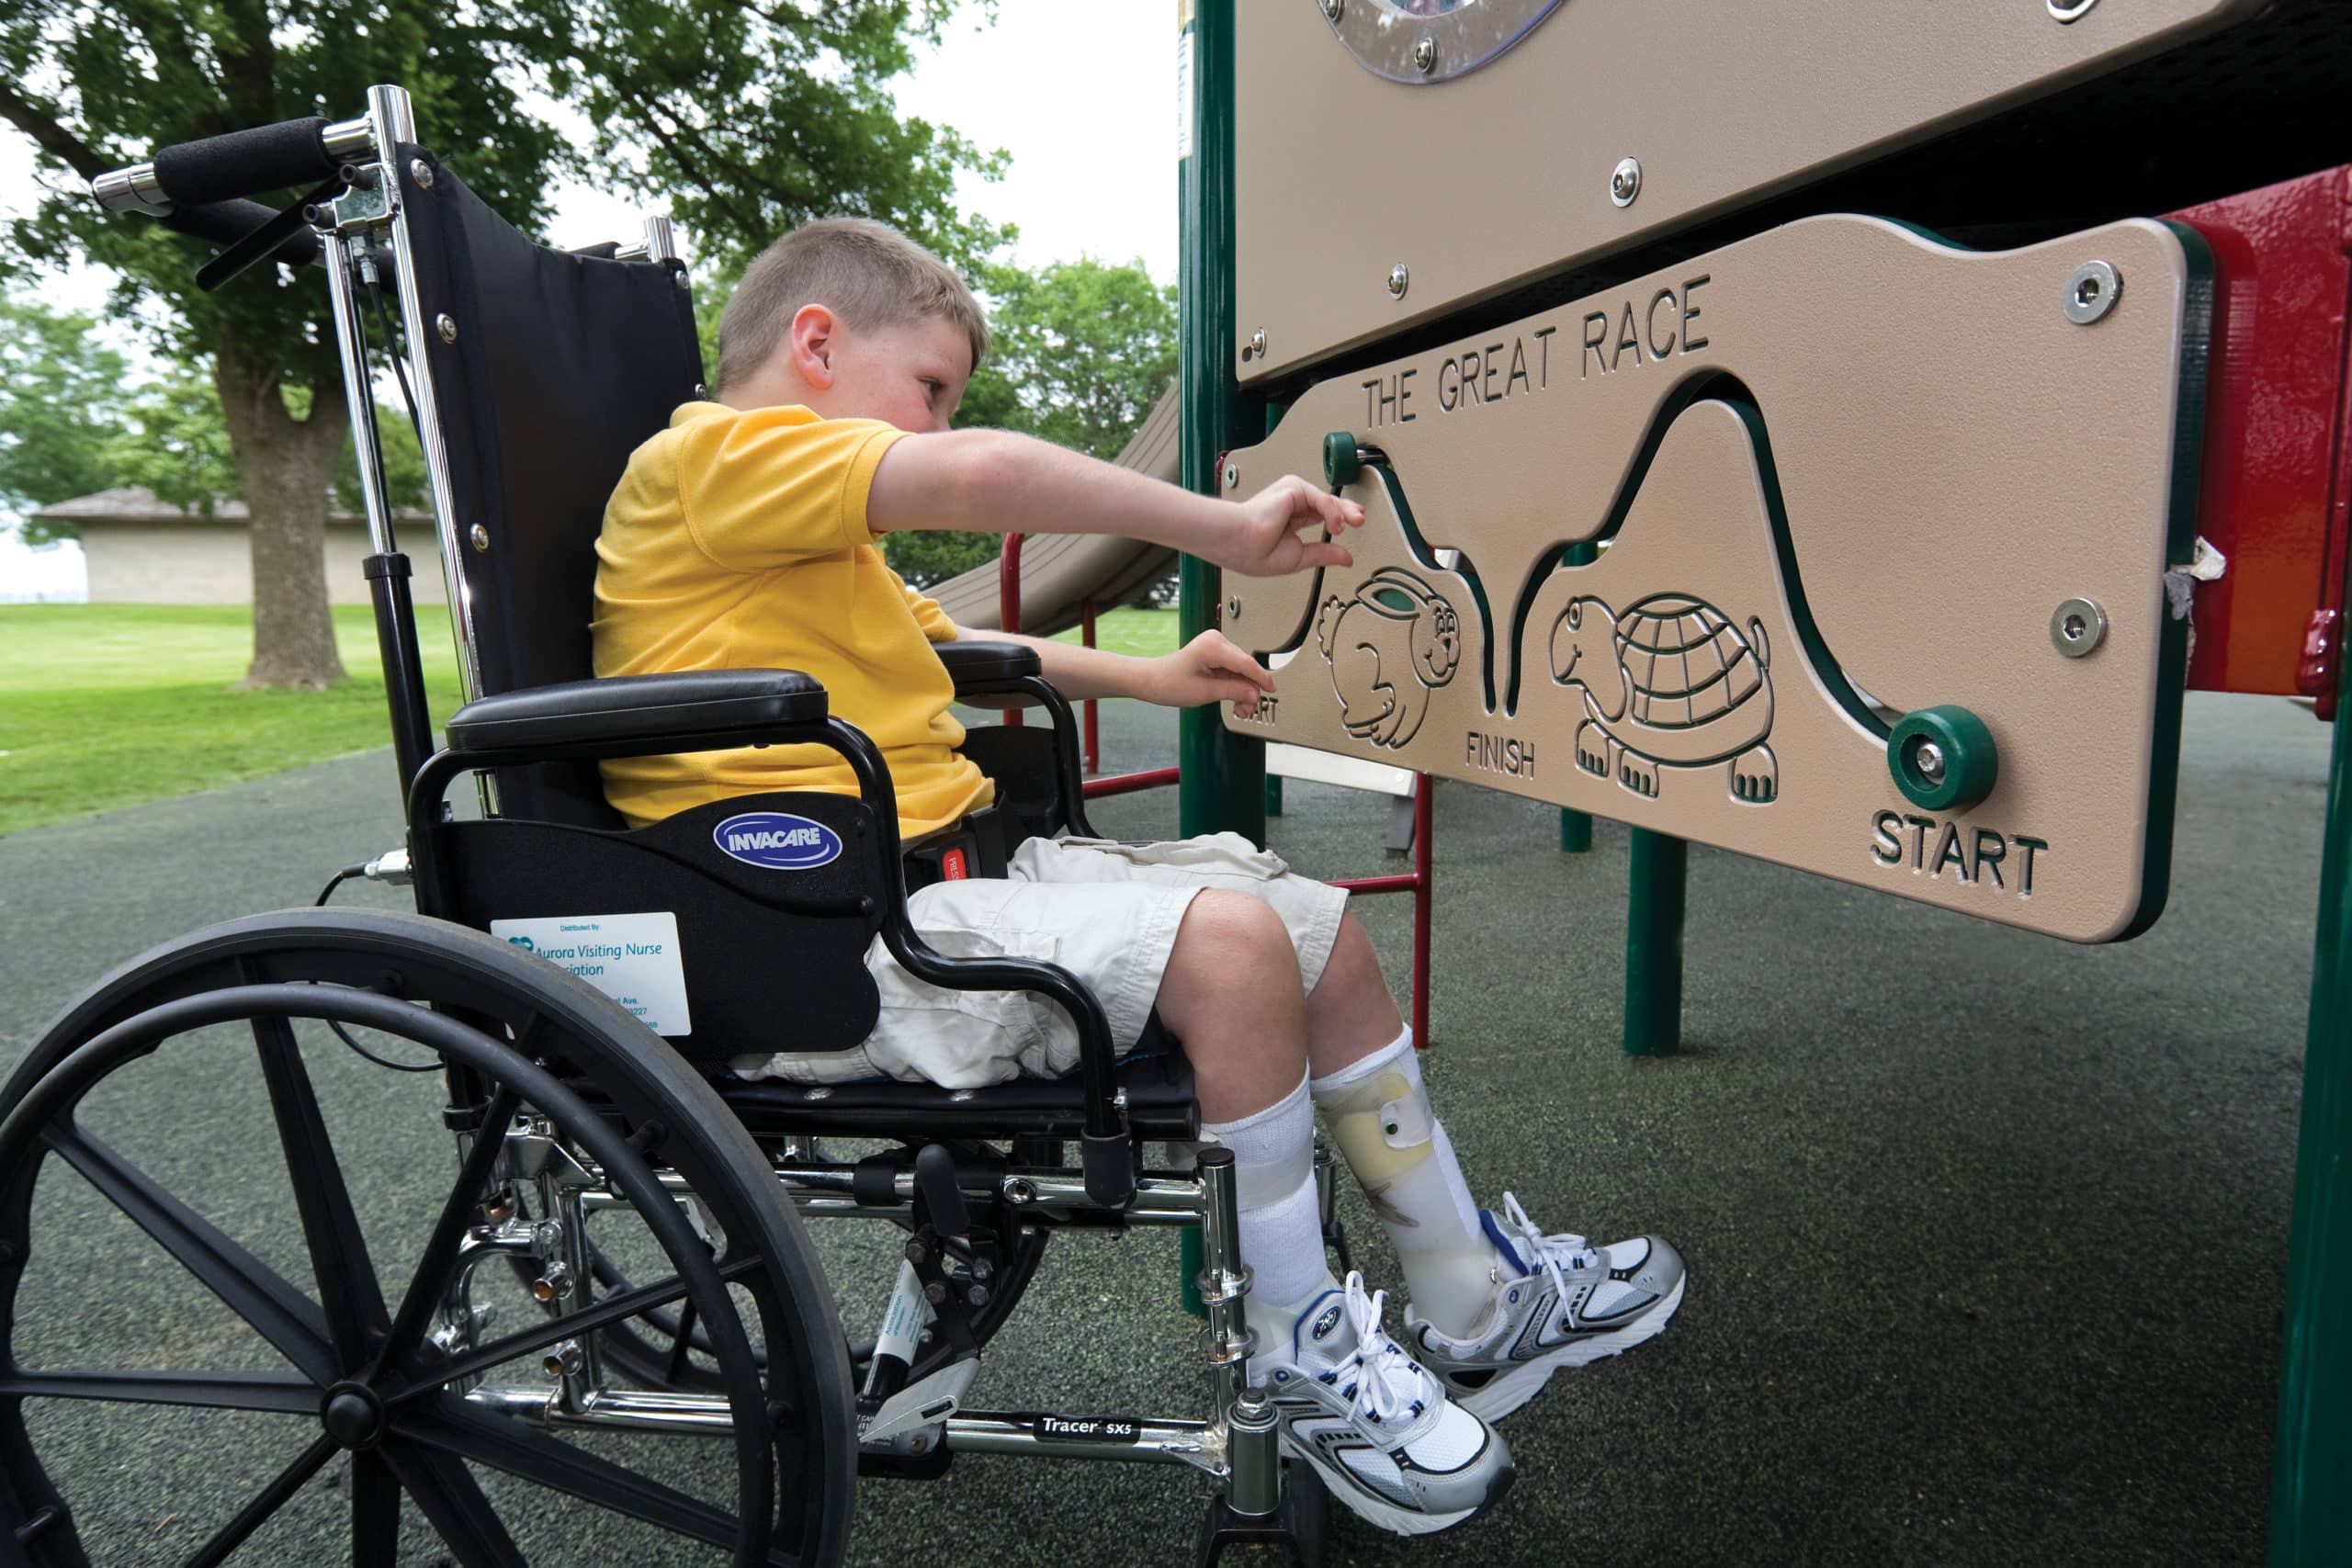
285 466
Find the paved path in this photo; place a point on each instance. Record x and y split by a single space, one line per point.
1987 1233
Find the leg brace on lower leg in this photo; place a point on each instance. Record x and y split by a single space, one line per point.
1281 1232
1379 1116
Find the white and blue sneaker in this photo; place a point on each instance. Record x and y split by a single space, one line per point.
1375 1426
1558 1302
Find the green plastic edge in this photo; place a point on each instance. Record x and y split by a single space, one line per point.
2180 539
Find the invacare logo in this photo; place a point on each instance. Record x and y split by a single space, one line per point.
779 841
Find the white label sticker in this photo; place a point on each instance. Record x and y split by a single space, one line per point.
1184 95
631 958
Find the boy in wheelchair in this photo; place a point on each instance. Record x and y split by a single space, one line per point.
745 536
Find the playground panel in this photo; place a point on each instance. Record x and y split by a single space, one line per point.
1362 162
1844 474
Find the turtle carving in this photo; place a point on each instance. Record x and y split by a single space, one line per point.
1389 645
1671 682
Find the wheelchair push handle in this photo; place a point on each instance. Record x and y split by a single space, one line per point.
214 169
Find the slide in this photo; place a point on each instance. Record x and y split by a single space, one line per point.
1061 571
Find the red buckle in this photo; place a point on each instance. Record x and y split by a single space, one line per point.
952 867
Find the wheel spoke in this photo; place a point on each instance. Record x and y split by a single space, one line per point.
455 1428
282 1394
453 1501
684 1344
570 1324
247 1286
231 1536
347 1287
375 1513
431 1281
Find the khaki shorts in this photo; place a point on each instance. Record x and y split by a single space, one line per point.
1107 912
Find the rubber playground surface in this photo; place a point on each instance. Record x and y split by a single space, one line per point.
1986 1233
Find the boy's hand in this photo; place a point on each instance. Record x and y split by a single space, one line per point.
1267 543
1207 669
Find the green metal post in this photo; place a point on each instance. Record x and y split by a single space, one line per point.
1221 786
2311 1474
1654 945
1273 795
1576 827
1221 783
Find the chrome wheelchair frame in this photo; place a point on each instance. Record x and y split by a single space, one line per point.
562 1105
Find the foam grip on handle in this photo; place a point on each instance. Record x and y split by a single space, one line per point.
226 222
244 163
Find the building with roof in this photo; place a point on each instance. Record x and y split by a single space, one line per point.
142 551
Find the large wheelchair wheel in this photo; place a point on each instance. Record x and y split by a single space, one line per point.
324 1394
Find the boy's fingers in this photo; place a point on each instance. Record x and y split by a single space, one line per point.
1230 660
1324 552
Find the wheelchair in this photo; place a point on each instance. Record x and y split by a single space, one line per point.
653 1209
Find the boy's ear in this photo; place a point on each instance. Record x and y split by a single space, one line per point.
811 343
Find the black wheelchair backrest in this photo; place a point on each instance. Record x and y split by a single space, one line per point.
549 369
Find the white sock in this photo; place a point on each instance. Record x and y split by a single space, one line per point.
1380 1117
1282 1224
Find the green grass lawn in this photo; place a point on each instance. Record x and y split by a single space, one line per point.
1140 632
103 705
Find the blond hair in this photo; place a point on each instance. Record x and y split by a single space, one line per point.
866 273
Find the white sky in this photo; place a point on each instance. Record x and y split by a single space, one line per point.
1080 92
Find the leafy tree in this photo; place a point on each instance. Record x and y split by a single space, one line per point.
1081 352
745 116
60 419
73 421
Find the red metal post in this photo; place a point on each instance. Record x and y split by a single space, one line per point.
1128 783
2268 499
1093 731
1008 601
1421 885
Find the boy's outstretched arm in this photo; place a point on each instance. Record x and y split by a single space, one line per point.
1209 669
991 481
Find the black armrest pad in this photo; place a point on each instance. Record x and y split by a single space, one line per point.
974 663
638 708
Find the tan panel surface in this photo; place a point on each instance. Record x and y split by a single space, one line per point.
1954 456
1503 173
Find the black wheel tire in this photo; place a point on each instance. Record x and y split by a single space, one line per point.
795 1419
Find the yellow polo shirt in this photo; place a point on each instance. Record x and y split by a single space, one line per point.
736 540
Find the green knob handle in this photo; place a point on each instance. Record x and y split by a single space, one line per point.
1942 758
1341 464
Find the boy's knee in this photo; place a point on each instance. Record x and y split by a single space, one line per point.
1231 929
1231 949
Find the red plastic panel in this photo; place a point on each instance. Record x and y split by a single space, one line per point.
2273 484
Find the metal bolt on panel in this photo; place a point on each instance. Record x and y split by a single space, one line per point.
2078 627
1625 181
2092 290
